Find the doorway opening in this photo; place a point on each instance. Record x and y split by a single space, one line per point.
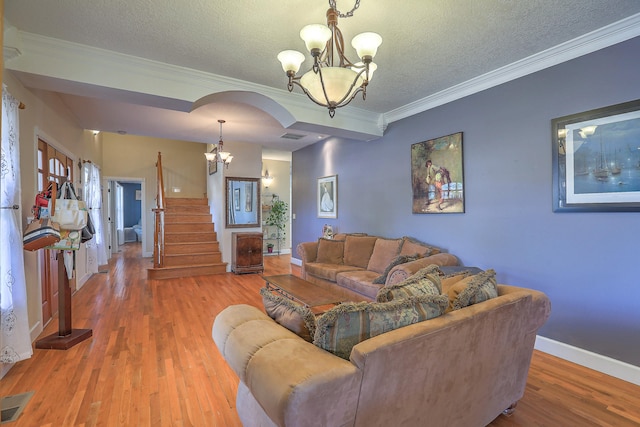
126 222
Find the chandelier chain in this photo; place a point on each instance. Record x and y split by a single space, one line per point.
332 4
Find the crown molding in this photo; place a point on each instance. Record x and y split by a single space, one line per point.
609 35
75 62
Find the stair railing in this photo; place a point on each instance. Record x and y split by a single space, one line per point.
158 237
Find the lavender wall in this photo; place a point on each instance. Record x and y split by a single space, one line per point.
586 262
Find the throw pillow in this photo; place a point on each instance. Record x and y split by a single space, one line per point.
400 259
358 250
330 251
472 290
348 324
384 251
450 275
293 316
448 281
425 281
411 246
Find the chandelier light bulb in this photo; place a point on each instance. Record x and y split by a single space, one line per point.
315 36
366 44
291 60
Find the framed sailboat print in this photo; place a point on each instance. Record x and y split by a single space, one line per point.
596 160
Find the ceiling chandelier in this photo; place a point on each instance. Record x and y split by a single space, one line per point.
333 81
219 155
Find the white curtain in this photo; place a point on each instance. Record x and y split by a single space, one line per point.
15 341
96 247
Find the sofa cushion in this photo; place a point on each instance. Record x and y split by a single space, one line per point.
293 316
342 236
360 281
344 326
358 250
384 251
472 290
328 271
330 251
411 246
425 281
400 259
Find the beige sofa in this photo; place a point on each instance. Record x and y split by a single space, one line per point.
351 263
463 368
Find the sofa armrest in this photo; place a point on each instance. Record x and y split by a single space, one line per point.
403 271
289 377
308 252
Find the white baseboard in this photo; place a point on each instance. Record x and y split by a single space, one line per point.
296 261
82 280
35 331
597 362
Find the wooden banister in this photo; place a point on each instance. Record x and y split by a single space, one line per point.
158 236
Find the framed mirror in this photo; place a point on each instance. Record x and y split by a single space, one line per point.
242 202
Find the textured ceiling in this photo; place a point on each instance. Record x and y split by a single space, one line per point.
428 46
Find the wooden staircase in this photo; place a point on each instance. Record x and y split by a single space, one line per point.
191 247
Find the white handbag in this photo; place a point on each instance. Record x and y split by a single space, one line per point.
70 212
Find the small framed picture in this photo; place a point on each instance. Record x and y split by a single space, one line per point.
236 199
328 197
138 194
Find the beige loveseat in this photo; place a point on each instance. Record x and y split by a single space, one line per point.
351 263
463 368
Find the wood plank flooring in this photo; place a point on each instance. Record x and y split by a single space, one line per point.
152 362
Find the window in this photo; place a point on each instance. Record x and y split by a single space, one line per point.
53 165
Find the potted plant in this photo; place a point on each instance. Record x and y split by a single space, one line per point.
277 218
270 248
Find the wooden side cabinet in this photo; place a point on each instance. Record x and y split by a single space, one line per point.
246 253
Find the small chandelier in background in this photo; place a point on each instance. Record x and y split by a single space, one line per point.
221 156
333 81
267 179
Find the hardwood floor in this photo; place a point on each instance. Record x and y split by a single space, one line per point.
152 362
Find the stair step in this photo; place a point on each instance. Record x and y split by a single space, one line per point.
190 248
181 260
186 271
185 227
184 201
187 209
172 218
186 237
